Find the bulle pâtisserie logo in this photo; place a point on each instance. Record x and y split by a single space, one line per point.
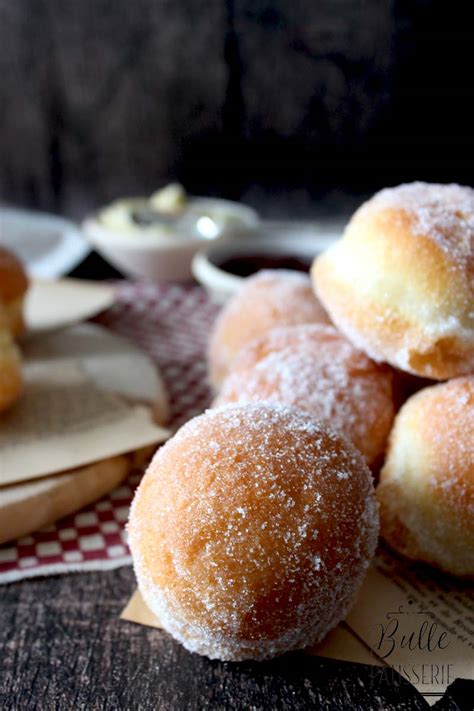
415 631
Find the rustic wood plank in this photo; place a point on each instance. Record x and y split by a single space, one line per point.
62 646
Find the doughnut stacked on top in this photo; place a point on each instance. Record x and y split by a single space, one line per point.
13 286
400 282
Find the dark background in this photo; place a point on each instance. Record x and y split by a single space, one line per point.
239 98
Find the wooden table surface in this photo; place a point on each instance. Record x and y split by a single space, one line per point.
62 646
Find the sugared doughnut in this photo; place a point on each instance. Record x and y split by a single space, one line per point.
400 282
426 489
316 369
10 371
269 299
13 286
252 530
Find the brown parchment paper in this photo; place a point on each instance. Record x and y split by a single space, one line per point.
79 404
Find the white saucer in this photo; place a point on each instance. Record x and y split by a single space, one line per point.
49 246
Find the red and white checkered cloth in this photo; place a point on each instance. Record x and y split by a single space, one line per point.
171 323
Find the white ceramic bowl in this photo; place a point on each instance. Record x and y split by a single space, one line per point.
162 257
293 241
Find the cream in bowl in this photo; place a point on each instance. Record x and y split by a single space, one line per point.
157 237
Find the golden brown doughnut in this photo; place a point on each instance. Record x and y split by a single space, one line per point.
11 381
13 286
316 369
426 489
400 282
269 299
252 530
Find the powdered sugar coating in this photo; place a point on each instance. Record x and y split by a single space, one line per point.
252 530
443 213
267 300
315 368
